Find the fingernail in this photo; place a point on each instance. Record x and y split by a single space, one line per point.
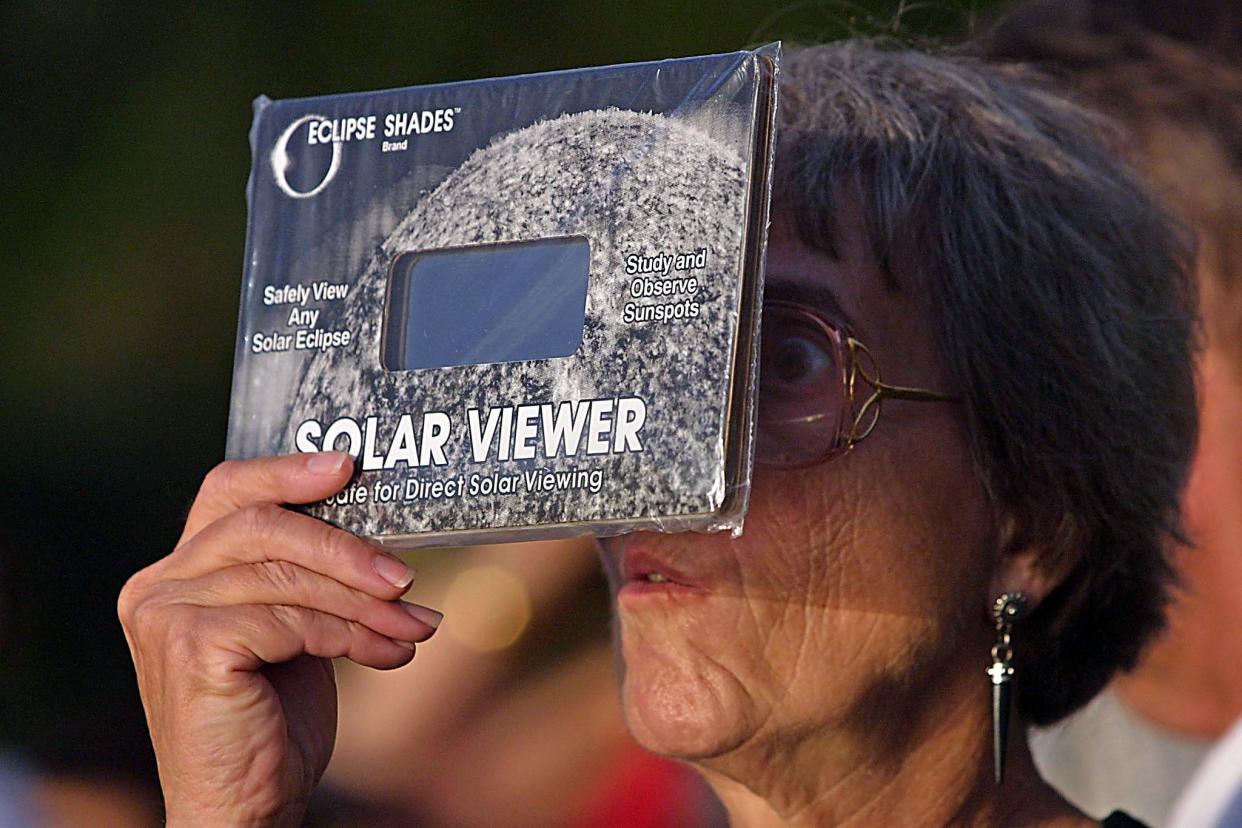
409 645
326 462
393 571
425 614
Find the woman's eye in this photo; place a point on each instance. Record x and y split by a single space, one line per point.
795 359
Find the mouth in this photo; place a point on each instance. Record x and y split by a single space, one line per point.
647 572
655 578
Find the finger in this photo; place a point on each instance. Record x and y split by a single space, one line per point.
284 583
252 636
290 478
260 533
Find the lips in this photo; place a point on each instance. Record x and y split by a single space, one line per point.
645 568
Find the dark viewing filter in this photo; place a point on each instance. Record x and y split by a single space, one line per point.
486 304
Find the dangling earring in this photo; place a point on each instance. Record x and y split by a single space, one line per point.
1005 610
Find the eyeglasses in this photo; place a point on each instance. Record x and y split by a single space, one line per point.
809 401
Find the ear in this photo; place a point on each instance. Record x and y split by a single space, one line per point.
1024 572
1032 568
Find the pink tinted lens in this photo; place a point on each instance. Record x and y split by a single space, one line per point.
801 388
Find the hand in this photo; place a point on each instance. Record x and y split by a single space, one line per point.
233 632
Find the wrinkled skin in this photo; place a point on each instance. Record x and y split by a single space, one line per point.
848 572
852 613
232 635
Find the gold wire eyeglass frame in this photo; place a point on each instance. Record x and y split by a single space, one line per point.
857 363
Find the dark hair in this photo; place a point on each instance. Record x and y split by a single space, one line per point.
1172 73
1065 313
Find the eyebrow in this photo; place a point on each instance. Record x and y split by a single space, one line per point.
816 294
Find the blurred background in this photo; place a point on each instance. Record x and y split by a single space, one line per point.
125 140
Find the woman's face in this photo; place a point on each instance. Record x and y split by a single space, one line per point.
859 582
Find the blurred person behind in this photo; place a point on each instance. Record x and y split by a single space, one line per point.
1214 795
1171 74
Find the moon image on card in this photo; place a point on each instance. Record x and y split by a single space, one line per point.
649 192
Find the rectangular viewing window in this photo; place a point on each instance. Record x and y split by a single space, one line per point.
490 303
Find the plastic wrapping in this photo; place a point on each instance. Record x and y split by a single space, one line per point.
528 306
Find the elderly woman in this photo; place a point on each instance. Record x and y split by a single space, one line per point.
976 413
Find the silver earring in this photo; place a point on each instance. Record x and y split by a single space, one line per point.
1005 610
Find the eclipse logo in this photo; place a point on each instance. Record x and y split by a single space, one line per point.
280 160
